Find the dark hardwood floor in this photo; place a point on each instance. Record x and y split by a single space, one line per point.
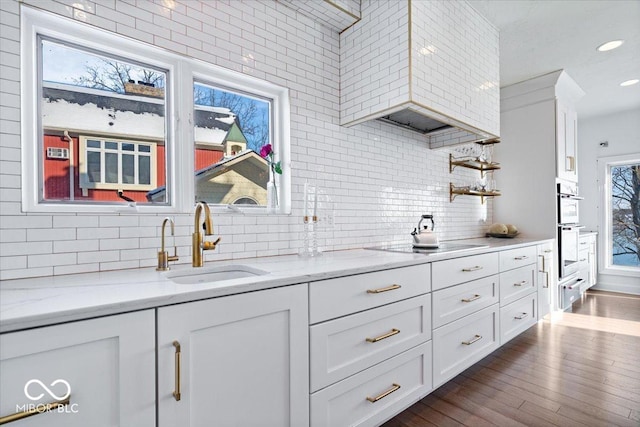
576 369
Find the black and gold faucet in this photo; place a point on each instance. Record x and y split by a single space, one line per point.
163 255
198 244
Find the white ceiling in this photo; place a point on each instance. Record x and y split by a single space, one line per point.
540 36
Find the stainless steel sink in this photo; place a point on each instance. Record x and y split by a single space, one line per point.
213 274
443 248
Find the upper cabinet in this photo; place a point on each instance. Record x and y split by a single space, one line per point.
431 67
538 142
566 141
562 93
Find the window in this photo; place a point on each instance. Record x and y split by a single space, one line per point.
110 118
621 219
117 165
227 125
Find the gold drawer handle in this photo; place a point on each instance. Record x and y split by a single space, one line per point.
522 316
521 258
395 387
547 251
474 268
524 282
471 341
387 335
473 298
37 409
176 393
380 290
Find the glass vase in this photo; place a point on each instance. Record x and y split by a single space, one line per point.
272 197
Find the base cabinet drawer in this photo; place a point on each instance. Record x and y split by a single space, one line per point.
342 347
518 317
337 297
372 396
460 344
515 284
459 270
453 303
514 258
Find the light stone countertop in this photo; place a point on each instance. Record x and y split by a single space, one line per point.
35 302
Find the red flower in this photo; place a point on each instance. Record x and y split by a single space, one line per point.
265 150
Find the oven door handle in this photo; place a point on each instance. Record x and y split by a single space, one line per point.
574 284
572 227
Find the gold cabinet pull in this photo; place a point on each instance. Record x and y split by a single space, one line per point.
548 251
544 268
521 258
524 282
395 387
37 409
472 340
387 335
380 290
176 393
546 285
474 268
522 316
473 298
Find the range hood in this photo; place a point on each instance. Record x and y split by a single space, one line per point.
409 63
415 121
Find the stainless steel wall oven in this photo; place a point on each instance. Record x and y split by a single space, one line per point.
568 242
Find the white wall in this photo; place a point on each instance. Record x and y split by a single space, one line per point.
622 131
380 177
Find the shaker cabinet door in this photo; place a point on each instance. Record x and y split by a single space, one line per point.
98 372
240 360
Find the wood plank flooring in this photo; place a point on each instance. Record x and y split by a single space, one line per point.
574 369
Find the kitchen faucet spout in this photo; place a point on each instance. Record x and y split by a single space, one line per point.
198 244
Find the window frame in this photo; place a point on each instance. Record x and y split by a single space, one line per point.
605 255
85 183
182 72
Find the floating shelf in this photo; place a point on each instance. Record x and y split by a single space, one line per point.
464 191
488 141
472 164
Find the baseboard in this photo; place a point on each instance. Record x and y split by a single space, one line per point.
617 287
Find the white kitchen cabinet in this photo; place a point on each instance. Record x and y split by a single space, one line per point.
515 258
588 266
461 343
345 346
464 269
566 142
452 303
105 367
516 283
370 345
517 317
240 360
337 297
546 278
534 150
372 396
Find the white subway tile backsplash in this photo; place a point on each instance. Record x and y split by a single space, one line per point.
380 178
20 273
98 257
50 260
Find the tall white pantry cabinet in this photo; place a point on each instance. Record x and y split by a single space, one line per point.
538 132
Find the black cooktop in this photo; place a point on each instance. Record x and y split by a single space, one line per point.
444 247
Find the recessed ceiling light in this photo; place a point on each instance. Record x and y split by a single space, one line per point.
629 82
610 45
